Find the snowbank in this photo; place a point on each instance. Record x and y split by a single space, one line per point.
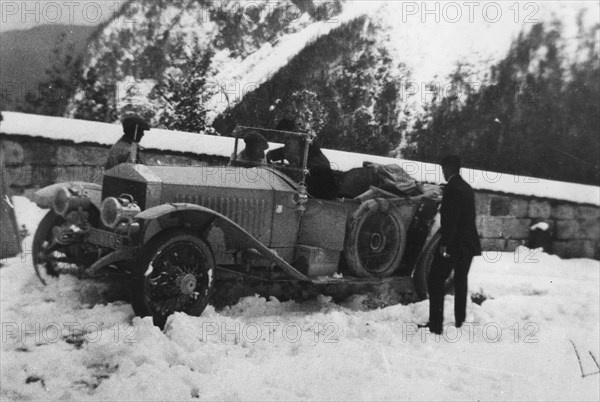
538 314
81 131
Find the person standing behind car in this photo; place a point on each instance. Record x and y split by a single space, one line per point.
458 245
127 149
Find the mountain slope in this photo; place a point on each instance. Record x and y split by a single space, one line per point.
345 87
25 55
347 70
127 60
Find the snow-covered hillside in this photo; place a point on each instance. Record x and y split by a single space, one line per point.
153 40
252 40
534 337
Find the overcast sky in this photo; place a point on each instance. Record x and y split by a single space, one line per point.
436 38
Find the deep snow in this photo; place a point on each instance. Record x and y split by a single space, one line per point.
58 344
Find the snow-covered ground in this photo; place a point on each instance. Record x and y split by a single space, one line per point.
523 342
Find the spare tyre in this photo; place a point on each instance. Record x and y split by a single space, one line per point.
375 239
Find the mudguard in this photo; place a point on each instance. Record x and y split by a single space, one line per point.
202 220
435 227
44 196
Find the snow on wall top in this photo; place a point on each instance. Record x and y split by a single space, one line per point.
81 131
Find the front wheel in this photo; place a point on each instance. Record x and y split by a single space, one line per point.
58 246
42 241
423 268
174 273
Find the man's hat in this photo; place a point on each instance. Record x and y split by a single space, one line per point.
452 161
252 138
131 120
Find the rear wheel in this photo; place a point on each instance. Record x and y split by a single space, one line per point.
423 268
376 240
174 273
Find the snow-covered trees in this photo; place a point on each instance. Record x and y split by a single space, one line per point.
181 94
346 78
179 46
538 114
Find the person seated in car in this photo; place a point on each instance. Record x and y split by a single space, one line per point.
292 151
254 152
320 181
127 149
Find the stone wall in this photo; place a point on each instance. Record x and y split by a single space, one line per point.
35 162
503 220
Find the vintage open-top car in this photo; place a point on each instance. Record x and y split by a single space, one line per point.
172 228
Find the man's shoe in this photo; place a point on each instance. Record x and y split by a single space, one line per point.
458 324
433 329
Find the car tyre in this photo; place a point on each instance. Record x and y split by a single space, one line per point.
174 273
376 240
42 238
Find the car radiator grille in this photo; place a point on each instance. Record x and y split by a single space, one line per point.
249 213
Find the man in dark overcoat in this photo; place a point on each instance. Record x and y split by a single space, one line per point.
127 149
458 245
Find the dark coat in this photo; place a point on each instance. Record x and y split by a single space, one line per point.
459 230
320 181
123 151
10 240
276 155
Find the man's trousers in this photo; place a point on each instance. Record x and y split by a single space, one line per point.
441 268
